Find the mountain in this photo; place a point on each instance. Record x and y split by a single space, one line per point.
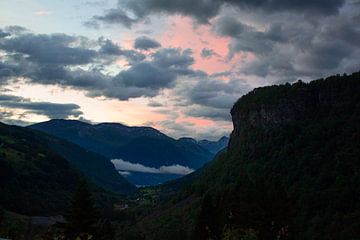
291 171
33 179
214 146
143 151
94 166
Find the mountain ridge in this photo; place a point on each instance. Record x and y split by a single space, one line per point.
117 141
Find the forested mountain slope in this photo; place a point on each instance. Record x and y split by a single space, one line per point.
291 171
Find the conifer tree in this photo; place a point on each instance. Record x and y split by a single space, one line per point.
82 215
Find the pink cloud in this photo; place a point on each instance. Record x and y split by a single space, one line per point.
182 33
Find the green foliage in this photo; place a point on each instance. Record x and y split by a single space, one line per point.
239 234
34 180
2 212
82 215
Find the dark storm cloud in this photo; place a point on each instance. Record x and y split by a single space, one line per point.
203 10
51 110
146 43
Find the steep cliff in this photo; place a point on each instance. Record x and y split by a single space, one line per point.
288 104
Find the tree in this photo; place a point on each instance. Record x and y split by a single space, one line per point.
2 211
82 215
207 224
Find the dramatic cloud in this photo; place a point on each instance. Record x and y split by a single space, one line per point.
129 12
145 43
125 166
112 16
50 49
295 48
58 59
110 48
51 110
210 98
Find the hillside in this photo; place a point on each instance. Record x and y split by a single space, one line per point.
33 179
292 171
93 165
97 168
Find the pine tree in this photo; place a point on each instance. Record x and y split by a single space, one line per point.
2 212
82 215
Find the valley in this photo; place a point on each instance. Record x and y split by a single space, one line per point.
289 171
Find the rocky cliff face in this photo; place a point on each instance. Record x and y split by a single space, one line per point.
292 104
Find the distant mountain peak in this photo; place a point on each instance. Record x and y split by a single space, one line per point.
187 139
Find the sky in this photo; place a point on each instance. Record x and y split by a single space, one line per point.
177 65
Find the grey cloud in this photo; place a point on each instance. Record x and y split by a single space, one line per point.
49 49
293 47
207 53
51 110
146 75
304 6
112 16
229 26
159 73
153 103
186 129
8 118
55 59
110 48
221 74
4 34
209 113
246 38
217 93
175 60
15 29
146 43
203 10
